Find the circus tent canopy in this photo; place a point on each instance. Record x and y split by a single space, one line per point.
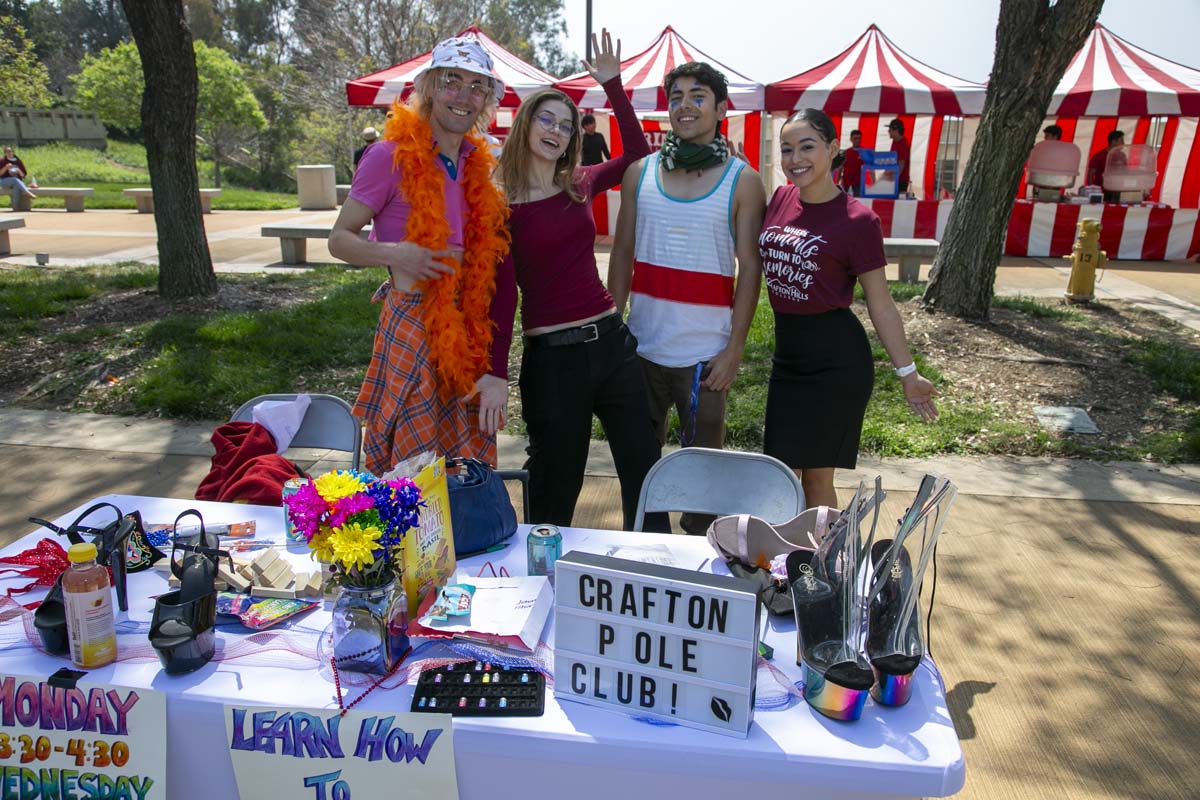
873 76
1111 77
383 87
643 74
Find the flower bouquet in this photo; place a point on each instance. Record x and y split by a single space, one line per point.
356 523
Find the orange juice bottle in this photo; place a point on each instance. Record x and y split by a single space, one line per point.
87 595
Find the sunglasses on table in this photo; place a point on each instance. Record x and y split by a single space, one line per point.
551 123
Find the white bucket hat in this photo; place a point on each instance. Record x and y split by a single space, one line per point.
465 53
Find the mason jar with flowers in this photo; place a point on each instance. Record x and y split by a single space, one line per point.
356 523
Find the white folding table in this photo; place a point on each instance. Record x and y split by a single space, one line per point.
574 750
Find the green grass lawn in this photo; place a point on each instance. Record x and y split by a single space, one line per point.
204 364
122 166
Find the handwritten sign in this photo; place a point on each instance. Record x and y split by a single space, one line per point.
90 742
289 752
656 641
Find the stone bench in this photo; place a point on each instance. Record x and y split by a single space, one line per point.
293 239
6 225
72 197
145 199
910 252
343 191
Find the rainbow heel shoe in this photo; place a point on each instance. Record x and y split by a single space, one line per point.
827 593
895 644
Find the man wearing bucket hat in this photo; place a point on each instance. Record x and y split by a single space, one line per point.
439 227
369 135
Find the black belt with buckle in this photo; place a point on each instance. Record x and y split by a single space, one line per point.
584 333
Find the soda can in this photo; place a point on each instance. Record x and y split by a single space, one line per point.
544 547
290 487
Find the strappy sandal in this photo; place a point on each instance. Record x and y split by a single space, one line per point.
755 542
50 617
182 627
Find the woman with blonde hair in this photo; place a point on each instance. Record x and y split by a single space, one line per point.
579 358
439 226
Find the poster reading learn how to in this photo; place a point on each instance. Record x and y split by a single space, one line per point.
323 755
90 742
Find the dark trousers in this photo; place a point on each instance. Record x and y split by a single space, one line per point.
561 388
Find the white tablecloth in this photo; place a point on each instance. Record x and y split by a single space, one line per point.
573 750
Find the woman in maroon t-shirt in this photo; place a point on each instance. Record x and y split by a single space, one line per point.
579 357
815 243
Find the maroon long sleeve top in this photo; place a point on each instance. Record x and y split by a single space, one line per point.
552 258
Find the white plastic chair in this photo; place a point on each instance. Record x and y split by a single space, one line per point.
701 480
328 423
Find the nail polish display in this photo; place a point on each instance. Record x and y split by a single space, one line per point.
485 690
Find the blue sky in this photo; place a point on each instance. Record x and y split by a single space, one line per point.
769 40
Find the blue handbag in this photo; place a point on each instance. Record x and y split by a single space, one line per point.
481 514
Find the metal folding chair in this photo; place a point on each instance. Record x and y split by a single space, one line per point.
701 480
328 423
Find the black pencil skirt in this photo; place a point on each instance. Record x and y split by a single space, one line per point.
821 379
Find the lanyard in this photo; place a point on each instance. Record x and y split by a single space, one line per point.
686 436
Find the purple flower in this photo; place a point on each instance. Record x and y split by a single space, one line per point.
306 510
398 503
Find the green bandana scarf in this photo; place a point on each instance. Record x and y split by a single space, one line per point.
676 154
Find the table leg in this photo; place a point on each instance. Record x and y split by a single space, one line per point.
74 203
295 251
910 269
145 203
5 249
205 204
22 202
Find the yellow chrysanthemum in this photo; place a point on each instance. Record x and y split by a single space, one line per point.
355 545
321 545
336 485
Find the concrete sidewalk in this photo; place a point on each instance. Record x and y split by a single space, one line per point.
55 461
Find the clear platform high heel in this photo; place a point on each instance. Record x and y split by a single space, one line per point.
828 594
895 644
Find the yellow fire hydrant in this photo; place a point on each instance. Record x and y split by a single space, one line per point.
1086 257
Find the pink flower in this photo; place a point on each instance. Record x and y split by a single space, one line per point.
349 506
306 508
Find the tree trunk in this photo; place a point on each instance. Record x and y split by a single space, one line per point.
1035 40
169 124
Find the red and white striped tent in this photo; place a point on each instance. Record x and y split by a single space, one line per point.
873 76
383 87
1112 84
868 84
1109 77
642 76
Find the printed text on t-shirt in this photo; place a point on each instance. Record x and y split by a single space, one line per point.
789 259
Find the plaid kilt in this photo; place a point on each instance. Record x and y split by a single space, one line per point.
399 400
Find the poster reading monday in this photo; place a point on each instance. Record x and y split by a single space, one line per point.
92 742
323 755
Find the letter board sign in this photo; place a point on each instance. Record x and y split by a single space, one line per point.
656 641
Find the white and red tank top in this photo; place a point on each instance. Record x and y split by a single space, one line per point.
681 298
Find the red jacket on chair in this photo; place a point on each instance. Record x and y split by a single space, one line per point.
245 467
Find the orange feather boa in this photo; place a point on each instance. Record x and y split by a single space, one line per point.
454 308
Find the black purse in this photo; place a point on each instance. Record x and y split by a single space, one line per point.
481 514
